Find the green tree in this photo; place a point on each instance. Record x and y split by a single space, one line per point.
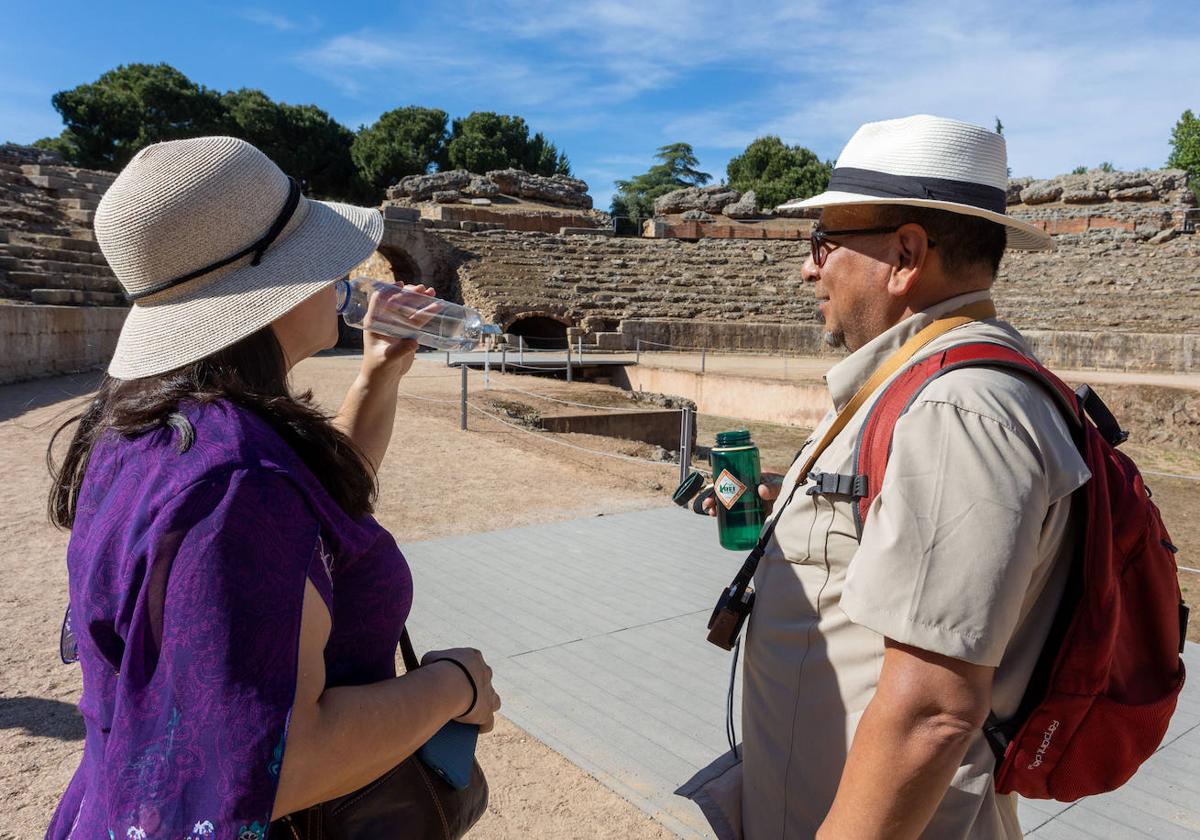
676 169
403 141
777 172
108 121
483 140
1185 148
304 140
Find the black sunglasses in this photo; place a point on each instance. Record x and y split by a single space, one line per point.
820 242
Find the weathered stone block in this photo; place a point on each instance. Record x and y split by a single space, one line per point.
446 196
1015 185
556 189
56 297
578 231
1084 196
1042 192
744 208
710 199
481 187
396 213
422 187
1142 193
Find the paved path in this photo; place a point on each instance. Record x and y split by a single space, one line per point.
595 629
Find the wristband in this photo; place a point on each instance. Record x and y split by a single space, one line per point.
470 679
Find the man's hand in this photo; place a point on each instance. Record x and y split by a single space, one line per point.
768 491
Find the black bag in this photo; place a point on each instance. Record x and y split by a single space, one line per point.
409 801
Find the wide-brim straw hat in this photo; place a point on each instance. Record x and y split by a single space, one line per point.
212 242
927 161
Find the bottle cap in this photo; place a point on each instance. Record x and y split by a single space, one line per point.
688 488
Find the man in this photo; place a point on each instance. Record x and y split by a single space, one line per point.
872 661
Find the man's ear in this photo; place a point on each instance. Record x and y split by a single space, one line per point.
912 251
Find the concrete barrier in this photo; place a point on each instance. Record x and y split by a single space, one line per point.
1165 352
660 427
38 341
747 398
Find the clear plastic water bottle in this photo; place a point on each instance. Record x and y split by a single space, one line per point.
391 309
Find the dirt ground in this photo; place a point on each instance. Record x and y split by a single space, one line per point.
436 481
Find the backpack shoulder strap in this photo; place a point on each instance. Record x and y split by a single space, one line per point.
874 445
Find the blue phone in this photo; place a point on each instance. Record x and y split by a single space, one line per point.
451 753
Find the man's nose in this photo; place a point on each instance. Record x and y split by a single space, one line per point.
809 272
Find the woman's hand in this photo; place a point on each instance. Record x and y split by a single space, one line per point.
387 356
483 712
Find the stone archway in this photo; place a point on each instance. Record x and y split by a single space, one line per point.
540 330
393 264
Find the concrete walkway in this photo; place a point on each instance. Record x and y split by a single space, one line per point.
595 629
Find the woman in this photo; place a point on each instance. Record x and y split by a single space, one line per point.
235 607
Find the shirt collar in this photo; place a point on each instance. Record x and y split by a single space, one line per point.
847 376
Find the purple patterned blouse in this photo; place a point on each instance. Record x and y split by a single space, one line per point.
187 574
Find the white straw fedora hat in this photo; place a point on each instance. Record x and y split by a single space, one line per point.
212 242
928 162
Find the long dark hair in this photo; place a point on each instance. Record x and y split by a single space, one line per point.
251 373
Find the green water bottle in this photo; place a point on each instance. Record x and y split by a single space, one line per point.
735 490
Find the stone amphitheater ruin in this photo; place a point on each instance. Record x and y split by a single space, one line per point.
1121 290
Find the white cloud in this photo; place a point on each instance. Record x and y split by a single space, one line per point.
1074 82
267 18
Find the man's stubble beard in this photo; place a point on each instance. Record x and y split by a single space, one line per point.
835 339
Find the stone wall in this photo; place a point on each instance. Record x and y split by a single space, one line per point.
48 254
41 341
1133 278
1091 283
596 282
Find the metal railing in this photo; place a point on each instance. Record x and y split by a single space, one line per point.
1191 221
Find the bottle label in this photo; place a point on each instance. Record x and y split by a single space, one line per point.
728 489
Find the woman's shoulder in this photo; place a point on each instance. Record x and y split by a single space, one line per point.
202 441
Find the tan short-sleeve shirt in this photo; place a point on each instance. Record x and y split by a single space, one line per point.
961 554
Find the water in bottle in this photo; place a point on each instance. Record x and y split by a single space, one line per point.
390 309
736 475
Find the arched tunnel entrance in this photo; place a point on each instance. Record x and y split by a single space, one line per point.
402 266
385 264
539 332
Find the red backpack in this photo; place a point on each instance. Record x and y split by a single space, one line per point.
1106 683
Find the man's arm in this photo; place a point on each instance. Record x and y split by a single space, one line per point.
908 745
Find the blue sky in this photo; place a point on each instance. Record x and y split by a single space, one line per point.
609 82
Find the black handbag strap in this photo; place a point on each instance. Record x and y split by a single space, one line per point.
407 653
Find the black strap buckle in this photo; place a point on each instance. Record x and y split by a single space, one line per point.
836 484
